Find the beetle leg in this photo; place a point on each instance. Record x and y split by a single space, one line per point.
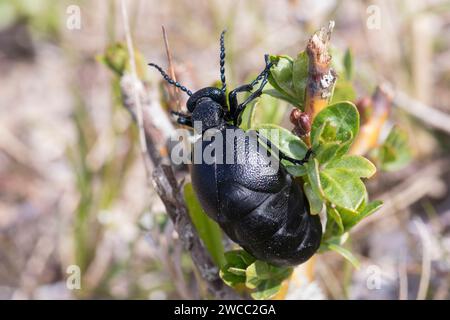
235 108
232 97
252 97
296 161
183 119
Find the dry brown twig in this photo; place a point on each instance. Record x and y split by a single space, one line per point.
429 115
409 191
137 101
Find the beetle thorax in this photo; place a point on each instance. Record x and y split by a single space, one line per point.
209 113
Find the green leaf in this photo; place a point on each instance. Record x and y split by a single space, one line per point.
326 152
269 110
284 140
266 290
355 165
342 188
338 122
295 170
231 279
395 152
234 271
275 93
260 272
334 214
116 59
312 170
248 116
348 64
343 91
300 75
337 240
350 219
281 74
207 229
344 253
315 140
315 202
239 258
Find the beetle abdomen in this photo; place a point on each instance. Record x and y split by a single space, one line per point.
262 209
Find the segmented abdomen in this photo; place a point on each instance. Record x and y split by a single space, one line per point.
267 214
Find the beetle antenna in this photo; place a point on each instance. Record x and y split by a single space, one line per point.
170 80
222 60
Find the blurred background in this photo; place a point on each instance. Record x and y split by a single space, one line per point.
73 190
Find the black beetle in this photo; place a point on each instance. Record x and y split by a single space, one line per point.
262 209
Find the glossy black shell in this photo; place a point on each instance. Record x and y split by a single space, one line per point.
262 209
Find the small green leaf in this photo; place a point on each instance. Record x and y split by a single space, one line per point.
269 110
231 279
207 229
395 152
315 202
237 271
239 258
248 116
116 59
326 152
300 75
342 188
281 74
260 271
350 219
284 140
337 240
348 64
334 214
234 271
315 140
266 290
312 169
356 165
343 91
344 253
295 170
338 122
276 93
256 273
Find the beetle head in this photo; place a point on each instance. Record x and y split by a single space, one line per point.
214 94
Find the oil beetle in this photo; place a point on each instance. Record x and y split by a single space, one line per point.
262 209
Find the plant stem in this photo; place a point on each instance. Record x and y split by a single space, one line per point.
321 77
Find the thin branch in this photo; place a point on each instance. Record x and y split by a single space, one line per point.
171 195
174 90
139 117
426 259
431 116
409 191
154 130
403 278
